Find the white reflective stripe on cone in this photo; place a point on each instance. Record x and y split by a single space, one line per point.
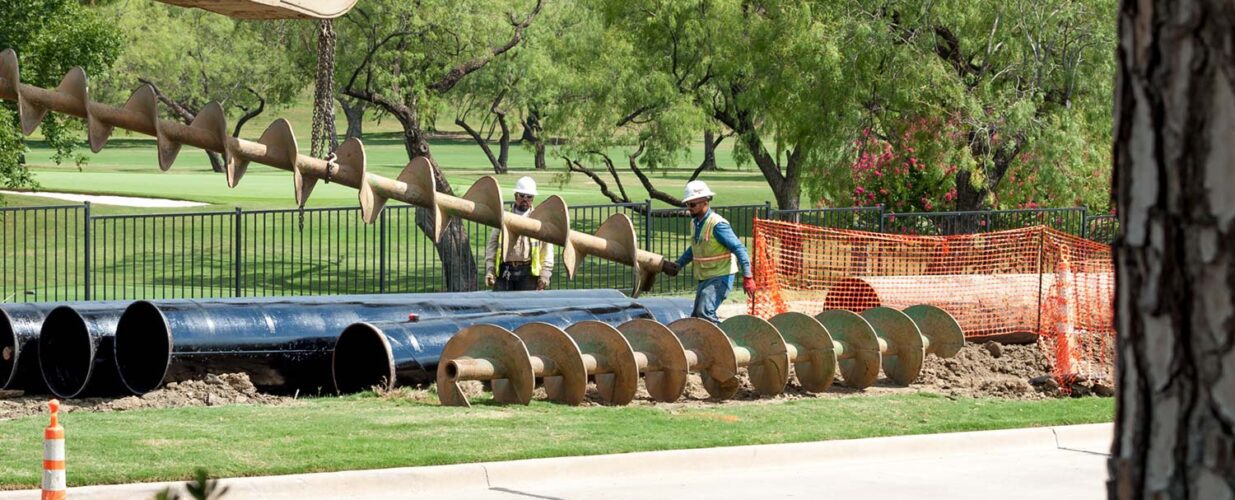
54 480
53 449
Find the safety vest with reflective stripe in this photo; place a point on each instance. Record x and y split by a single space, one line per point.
535 250
710 257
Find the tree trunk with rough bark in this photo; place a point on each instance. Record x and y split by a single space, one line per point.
532 132
354 110
968 197
499 166
1174 184
458 261
709 151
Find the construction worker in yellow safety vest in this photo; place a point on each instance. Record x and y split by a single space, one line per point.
715 251
529 264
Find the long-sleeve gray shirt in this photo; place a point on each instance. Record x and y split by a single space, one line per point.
522 251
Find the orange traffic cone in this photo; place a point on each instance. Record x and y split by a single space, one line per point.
54 481
1067 360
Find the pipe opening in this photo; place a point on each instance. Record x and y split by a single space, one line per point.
362 360
8 350
452 370
66 352
143 347
853 294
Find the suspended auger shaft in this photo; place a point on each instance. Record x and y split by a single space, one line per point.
615 240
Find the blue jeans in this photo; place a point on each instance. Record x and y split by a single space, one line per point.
709 295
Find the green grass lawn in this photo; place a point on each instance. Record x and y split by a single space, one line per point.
128 166
192 255
363 432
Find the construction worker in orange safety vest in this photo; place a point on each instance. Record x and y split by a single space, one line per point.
529 263
715 251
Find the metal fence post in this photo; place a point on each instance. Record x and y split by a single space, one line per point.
767 209
381 253
882 229
647 224
86 251
1084 222
239 248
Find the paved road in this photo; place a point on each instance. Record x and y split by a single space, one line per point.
1055 464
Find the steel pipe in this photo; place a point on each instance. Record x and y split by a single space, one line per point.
400 353
285 344
19 346
76 354
997 306
615 240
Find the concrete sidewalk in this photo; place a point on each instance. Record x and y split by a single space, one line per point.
1057 463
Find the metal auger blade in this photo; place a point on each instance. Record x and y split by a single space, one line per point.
486 197
10 75
416 185
485 352
660 357
710 353
353 170
553 220
761 349
210 119
73 85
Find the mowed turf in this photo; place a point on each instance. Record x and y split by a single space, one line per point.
129 166
363 432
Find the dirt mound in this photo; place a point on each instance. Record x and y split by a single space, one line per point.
214 390
978 370
988 369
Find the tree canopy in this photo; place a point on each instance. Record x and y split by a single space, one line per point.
949 104
996 104
51 37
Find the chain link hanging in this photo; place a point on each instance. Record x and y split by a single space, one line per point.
324 141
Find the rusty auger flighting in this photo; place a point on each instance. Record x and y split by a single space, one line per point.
856 345
615 240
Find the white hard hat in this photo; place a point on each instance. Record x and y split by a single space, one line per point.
696 190
525 185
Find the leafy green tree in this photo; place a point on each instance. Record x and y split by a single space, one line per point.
599 100
778 74
1018 94
411 55
51 37
193 57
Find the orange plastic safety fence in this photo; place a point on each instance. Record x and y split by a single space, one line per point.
1027 284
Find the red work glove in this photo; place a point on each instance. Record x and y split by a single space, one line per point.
748 286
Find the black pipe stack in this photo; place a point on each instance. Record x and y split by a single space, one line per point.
389 354
284 344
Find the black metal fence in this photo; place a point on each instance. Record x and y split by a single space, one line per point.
65 253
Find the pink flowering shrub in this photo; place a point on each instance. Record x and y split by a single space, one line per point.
913 173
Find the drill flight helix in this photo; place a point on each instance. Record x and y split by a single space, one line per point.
835 341
615 240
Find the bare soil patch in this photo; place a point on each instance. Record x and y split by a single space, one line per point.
214 390
978 370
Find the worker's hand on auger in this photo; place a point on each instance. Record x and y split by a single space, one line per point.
669 267
542 284
490 279
748 286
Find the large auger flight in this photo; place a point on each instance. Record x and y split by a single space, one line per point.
615 240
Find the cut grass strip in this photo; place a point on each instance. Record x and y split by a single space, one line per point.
366 432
